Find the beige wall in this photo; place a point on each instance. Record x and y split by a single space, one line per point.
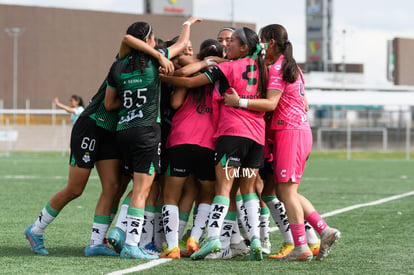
64 52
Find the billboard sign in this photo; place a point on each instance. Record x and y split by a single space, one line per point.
171 7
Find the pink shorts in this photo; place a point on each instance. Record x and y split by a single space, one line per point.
290 151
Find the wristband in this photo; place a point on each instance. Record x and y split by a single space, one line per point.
187 23
210 62
243 102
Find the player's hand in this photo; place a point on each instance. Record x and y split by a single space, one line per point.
193 20
231 98
167 67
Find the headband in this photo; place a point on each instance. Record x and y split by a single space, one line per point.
242 35
149 32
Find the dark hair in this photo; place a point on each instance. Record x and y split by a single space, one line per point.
78 99
209 47
142 31
279 34
249 37
159 43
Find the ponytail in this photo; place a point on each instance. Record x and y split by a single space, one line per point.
279 34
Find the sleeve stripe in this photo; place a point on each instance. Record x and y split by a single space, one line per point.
208 77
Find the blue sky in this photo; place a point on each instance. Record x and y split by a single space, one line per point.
368 23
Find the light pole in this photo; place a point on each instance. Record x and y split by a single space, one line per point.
15 33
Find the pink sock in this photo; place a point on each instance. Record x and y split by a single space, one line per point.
316 221
298 234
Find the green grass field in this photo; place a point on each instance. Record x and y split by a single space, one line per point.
376 239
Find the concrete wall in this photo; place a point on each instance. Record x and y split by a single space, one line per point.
64 52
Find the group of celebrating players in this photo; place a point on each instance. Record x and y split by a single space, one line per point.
222 133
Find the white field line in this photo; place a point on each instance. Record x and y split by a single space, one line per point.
272 229
31 177
356 206
140 267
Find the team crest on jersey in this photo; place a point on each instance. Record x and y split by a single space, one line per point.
86 158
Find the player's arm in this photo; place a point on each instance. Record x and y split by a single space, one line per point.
178 97
182 41
186 82
263 104
63 106
305 100
112 101
194 67
130 41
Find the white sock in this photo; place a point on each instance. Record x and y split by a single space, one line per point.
159 236
182 224
200 221
277 209
148 226
121 222
252 205
99 228
227 229
135 220
242 217
235 237
218 212
46 216
311 235
170 220
264 223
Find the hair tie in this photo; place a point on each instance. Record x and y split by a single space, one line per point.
287 42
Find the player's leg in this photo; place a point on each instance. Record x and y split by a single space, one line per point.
108 171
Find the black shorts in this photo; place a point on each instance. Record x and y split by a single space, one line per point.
239 152
266 170
187 159
90 143
140 149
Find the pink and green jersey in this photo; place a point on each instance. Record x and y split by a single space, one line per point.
193 123
290 112
242 75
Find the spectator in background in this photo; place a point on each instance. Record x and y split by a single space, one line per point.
75 109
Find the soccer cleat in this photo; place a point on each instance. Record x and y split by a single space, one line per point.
256 249
211 245
266 246
173 253
135 252
36 241
99 250
151 248
224 254
192 245
315 248
239 249
329 236
299 253
117 239
284 250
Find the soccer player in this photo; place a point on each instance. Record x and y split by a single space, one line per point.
240 133
75 109
152 213
134 88
190 147
292 141
224 36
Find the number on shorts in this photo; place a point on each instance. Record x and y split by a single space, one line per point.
88 143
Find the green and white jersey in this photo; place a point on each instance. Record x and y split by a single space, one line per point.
138 85
107 120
